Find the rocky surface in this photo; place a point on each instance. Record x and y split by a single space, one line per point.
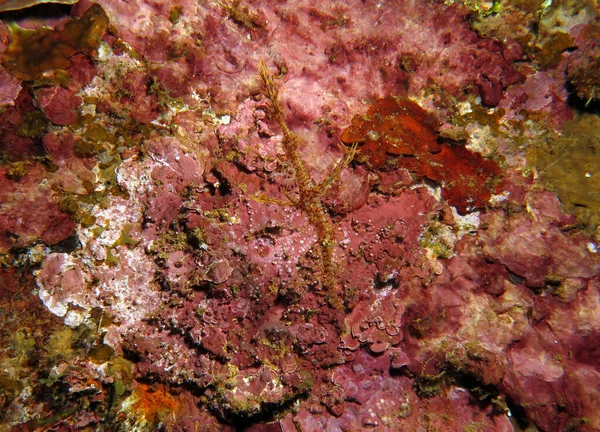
151 217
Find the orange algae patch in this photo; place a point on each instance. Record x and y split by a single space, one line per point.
401 128
154 402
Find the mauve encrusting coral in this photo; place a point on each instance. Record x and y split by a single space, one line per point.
164 227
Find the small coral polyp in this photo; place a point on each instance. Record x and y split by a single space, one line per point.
398 133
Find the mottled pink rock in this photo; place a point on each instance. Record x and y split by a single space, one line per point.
219 272
214 342
174 79
136 97
163 209
537 252
179 169
583 64
28 213
542 92
59 104
495 71
9 88
81 71
18 148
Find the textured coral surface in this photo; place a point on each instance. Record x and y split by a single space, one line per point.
299 216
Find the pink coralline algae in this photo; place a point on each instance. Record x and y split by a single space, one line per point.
58 104
583 65
295 216
28 214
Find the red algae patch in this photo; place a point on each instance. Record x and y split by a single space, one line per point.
399 127
468 180
392 127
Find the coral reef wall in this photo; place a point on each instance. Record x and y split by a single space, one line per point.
300 216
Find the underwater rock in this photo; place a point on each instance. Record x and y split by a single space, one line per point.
10 88
583 65
205 274
59 104
28 213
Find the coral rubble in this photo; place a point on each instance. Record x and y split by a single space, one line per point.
299 216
